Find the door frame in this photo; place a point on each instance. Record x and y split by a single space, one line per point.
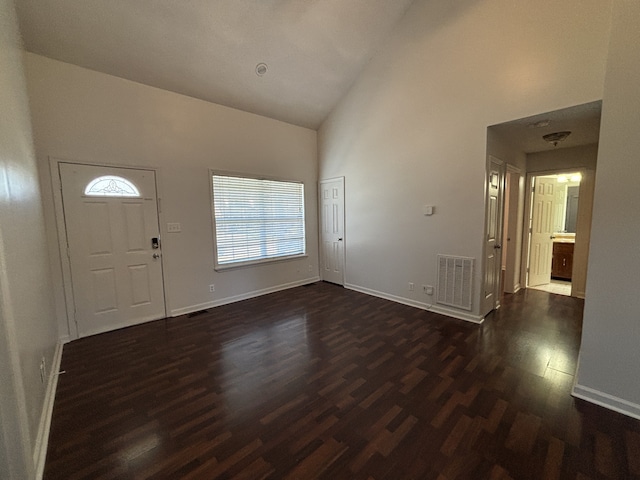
344 226
68 309
514 212
485 306
528 212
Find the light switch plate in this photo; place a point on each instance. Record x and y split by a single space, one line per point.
428 209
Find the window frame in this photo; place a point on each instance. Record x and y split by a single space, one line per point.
247 263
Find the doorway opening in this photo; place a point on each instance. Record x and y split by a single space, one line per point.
530 145
552 225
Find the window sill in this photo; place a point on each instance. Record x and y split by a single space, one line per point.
252 263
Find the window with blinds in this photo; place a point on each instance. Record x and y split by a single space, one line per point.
257 220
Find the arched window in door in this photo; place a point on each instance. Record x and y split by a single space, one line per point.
111 186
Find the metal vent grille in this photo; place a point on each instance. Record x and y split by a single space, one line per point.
455 279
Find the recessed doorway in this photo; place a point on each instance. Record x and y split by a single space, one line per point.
553 220
534 145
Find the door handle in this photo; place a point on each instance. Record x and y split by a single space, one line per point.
339 239
552 237
156 255
497 246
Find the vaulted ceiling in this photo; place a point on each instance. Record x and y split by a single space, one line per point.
209 49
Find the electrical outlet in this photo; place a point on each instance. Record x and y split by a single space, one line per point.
411 286
174 228
212 288
310 268
427 289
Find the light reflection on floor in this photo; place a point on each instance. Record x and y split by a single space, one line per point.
559 287
258 365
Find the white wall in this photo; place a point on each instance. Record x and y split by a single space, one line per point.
585 156
609 366
86 116
413 128
500 147
27 327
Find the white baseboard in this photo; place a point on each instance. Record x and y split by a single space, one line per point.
512 289
388 296
42 439
414 303
468 317
607 401
244 296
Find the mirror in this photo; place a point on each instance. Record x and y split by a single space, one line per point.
571 215
566 202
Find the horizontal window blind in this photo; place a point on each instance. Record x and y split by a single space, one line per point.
257 219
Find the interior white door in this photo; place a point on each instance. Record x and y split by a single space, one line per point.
493 256
332 230
113 246
541 249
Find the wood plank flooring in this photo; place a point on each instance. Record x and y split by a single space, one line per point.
323 382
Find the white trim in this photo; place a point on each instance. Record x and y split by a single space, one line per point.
42 438
605 400
388 296
467 317
413 303
244 296
65 266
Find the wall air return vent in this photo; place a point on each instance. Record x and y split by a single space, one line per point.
455 279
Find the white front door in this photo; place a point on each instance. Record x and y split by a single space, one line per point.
111 218
493 256
541 249
332 230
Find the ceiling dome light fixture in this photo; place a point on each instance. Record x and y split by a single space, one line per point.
540 124
556 137
261 69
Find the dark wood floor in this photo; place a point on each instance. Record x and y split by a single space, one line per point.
323 382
